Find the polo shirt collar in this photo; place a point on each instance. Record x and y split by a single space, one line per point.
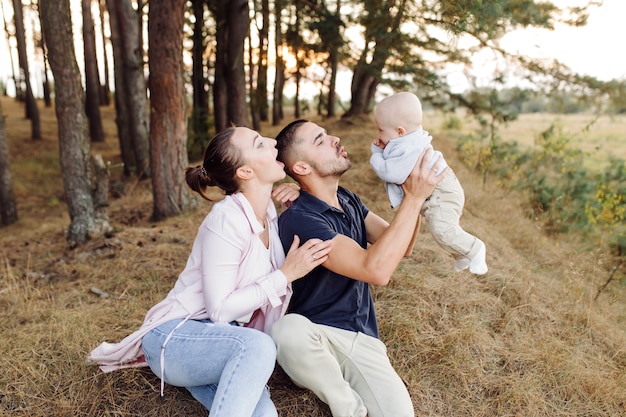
319 206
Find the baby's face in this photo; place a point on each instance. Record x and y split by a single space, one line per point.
385 134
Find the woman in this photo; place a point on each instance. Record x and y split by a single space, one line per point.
209 333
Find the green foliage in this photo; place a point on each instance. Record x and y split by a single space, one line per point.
562 193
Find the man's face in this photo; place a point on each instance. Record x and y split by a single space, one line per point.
322 151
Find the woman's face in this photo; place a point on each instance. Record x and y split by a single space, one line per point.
259 154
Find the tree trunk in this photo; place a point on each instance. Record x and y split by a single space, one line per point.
74 145
230 80
121 107
47 99
32 112
254 109
199 135
168 122
92 78
332 91
135 86
220 95
18 93
238 26
279 77
105 90
261 79
8 210
365 79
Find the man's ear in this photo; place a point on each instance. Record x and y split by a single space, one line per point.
244 172
301 168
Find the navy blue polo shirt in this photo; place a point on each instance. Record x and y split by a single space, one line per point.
323 296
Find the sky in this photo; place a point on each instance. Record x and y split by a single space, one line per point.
595 49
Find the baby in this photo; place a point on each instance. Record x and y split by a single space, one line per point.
400 141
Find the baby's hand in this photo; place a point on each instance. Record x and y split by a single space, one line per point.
379 144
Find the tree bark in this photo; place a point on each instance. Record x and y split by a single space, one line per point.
220 90
31 111
105 90
168 122
92 78
261 78
121 107
135 88
279 77
199 135
74 144
238 27
8 209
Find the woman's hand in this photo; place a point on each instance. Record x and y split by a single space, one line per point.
286 193
301 260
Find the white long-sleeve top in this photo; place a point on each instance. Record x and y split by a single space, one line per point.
230 275
394 163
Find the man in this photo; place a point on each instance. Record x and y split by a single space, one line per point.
329 342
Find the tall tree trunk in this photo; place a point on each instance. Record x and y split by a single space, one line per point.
220 89
230 80
199 136
92 78
105 90
238 26
8 210
135 86
74 144
18 93
261 78
254 109
47 99
369 69
122 111
365 79
32 112
332 91
168 122
279 77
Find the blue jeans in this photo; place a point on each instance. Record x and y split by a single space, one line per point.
225 367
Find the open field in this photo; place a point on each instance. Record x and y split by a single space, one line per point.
528 339
600 137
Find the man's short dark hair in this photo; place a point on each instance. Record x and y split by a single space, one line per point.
284 143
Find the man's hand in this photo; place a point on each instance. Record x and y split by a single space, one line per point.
421 181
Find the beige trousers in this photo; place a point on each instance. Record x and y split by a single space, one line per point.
347 370
442 212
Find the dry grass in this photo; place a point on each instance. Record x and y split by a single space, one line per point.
526 339
599 136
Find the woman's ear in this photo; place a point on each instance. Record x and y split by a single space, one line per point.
244 172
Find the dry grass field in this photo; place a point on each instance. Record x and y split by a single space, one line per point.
527 339
599 136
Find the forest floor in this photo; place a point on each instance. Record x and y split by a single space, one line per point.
529 338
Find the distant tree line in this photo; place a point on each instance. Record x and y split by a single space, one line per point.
241 54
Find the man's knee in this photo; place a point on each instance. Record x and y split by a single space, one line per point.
289 328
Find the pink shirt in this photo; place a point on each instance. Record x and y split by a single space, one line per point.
230 275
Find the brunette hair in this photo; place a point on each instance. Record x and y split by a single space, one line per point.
221 161
285 142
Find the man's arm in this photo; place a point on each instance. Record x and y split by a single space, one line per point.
377 263
376 226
